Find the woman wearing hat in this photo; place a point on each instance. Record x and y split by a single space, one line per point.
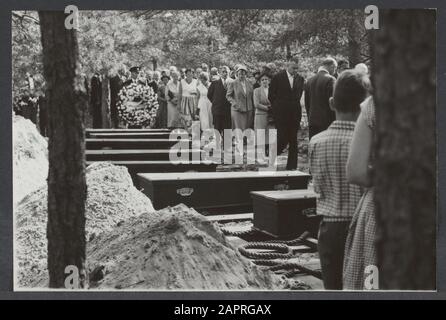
162 102
263 118
240 95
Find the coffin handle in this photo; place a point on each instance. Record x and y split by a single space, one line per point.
185 192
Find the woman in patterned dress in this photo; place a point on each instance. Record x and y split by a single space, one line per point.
188 99
360 248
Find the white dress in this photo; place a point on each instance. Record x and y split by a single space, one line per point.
205 107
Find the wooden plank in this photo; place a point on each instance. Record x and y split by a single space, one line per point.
230 217
135 135
281 195
311 242
139 154
98 130
96 144
240 175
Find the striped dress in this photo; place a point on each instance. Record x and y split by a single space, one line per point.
360 248
188 107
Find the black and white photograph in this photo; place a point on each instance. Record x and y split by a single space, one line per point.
224 149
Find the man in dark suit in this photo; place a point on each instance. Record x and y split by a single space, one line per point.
116 84
318 91
284 93
96 100
221 108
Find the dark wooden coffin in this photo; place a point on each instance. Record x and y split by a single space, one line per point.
96 144
141 155
216 192
286 213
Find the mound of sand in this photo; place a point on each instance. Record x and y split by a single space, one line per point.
111 199
178 249
30 158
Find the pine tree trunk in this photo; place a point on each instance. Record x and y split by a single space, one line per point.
66 100
288 51
105 102
405 170
154 64
354 44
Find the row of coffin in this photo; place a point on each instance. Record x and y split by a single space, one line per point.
281 203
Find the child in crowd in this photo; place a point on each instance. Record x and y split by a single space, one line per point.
328 154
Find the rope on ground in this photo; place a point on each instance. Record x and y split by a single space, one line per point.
283 251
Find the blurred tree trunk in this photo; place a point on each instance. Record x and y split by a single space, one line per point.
405 180
105 102
66 101
288 51
154 64
354 40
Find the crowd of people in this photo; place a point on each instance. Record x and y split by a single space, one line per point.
341 121
221 98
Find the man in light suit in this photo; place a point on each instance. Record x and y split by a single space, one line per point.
284 94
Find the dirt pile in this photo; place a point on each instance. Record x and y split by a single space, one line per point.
111 199
179 249
30 158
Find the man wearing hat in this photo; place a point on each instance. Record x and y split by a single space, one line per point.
134 77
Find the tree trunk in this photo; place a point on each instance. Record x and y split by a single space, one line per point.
354 42
67 191
154 64
288 51
405 169
105 102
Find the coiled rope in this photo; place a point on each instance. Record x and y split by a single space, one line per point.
282 250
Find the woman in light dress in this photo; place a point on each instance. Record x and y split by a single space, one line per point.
188 100
172 97
263 113
204 104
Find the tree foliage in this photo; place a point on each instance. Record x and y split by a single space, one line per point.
187 38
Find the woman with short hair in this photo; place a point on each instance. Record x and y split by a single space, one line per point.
172 97
204 104
188 99
263 119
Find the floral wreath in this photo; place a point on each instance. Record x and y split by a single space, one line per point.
137 105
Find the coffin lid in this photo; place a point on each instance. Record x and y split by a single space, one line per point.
285 194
